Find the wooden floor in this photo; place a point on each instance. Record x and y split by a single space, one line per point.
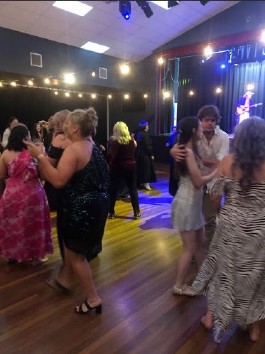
134 275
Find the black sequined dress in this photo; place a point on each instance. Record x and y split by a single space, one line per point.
85 205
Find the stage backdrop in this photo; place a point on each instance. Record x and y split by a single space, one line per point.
202 78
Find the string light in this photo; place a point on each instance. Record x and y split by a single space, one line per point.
191 93
56 91
47 81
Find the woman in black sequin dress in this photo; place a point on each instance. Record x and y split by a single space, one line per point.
83 172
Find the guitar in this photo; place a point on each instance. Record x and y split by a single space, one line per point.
242 109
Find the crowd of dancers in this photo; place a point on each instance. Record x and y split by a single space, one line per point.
214 181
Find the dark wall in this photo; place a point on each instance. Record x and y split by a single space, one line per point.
57 58
34 104
242 17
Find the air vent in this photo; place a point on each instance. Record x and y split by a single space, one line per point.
103 73
36 59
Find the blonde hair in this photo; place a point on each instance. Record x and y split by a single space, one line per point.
58 120
86 119
121 133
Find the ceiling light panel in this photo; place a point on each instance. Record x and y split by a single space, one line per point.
75 7
95 47
163 4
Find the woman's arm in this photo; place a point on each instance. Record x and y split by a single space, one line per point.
67 165
2 168
197 179
216 196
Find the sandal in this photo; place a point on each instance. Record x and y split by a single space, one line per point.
56 285
184 290
85 308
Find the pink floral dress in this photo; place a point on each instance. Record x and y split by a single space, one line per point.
25 226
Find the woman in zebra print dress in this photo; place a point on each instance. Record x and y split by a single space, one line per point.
232 275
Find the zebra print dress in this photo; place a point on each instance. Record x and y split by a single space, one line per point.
233 274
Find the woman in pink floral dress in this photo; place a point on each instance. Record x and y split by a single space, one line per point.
25 227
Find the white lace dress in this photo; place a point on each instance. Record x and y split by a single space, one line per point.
186 210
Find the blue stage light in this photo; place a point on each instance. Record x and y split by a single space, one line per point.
222 66
125 9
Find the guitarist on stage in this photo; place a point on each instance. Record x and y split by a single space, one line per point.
244 105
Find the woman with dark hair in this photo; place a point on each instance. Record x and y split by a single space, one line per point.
187 217
83 173
36 134
25 228
232 275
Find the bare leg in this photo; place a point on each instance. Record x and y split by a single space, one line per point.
201 247
254 331
207 320
210 217
66 272
189 249
81 267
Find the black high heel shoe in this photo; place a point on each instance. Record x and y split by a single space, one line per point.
81 311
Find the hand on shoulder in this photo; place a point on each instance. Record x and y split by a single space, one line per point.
178 152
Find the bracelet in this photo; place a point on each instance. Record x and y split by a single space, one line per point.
40 156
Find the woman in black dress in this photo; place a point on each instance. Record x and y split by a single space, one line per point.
144 157
83 172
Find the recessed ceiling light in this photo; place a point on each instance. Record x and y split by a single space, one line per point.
75 7
163 4
95 47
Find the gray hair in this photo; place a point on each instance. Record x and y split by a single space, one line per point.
249 148
86 119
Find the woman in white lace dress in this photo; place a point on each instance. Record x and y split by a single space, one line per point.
187 217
